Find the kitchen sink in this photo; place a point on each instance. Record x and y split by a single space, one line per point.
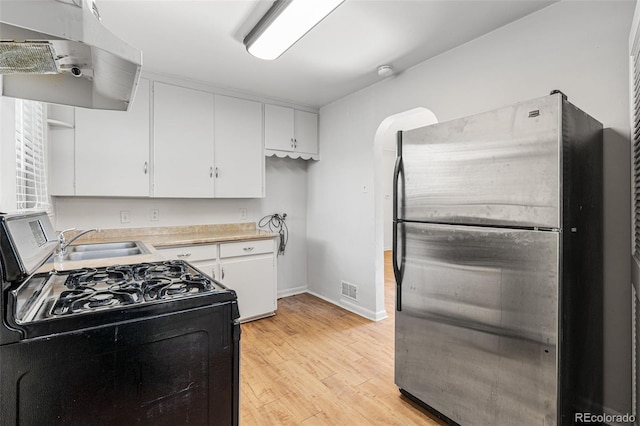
104 250
125 245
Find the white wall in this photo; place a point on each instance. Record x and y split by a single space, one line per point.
575 46
7 155
387 137
286 192
389 161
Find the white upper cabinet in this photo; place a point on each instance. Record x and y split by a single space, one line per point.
289 132
112 149
61 149
183 131
239 165
306 131
278 128
174 142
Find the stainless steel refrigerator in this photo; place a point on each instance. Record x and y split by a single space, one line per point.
498 265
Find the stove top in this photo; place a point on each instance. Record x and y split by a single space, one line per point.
85 291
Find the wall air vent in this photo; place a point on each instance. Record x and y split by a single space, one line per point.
349 290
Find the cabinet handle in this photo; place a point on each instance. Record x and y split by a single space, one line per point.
295 143
247 248
291 142
183 254
216 172
146 167
222 273
211 171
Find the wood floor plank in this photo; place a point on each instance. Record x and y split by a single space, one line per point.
316 364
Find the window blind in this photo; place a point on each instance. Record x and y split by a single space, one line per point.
31 176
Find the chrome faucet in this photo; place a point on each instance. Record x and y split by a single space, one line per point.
63 243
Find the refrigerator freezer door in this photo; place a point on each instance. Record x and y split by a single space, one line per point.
499 168
476 338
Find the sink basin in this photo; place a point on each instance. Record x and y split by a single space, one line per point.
104 250
102 246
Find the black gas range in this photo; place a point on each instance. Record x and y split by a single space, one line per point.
152 343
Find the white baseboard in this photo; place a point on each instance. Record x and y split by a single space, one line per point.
357 309
352 307
291 291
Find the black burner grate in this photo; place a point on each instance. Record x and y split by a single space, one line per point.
121 285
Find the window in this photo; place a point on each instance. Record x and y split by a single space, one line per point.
31 176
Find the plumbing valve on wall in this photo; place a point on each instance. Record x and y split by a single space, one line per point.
276 224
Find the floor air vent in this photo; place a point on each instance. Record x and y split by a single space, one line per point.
349 290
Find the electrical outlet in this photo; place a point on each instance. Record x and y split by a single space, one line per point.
154 215
243 214
125 216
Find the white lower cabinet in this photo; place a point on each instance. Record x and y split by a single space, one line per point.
252 279
248 267
210 268
202 256
190 253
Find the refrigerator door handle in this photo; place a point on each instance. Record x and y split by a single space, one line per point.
397 170
396 178
397 269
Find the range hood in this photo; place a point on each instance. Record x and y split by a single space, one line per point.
58 51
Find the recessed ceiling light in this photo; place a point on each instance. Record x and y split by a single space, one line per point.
284 24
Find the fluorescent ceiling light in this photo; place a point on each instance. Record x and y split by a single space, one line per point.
284 24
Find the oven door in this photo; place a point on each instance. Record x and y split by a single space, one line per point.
178 368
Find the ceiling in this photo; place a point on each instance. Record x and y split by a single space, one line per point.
202 40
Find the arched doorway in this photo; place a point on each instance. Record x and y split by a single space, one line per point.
384 158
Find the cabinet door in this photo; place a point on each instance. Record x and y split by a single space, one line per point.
112 149
212 269
61 147
183 142
238 148
252 278
306 132
278 128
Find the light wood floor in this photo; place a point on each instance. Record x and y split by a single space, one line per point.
317 364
